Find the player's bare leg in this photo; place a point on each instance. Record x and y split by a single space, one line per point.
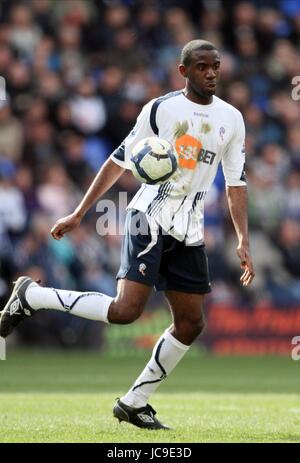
187 325
187 312
129 303
28 296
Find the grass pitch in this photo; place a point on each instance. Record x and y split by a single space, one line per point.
68 397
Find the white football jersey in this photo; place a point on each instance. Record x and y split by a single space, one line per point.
203 136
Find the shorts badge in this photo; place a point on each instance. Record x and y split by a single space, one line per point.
142 269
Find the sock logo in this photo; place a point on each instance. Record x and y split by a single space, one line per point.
14 306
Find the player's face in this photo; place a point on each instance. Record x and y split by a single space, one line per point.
202 74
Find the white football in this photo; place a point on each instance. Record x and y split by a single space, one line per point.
153 160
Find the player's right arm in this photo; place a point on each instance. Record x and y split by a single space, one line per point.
104 180
109 173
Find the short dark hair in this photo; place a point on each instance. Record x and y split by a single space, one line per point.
193 45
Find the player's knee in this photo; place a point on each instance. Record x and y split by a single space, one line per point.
128 317
195 327
124 313
189 329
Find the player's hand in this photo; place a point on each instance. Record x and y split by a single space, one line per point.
65 225
246 265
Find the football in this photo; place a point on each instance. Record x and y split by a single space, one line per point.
153 160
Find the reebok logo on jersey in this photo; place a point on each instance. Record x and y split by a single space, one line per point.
200 114
14 306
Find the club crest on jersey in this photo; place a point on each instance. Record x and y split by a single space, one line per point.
222 133
142 269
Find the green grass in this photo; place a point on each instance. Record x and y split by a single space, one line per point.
68 397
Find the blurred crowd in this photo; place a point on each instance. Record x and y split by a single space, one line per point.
77 74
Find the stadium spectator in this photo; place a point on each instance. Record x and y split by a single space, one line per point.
11 133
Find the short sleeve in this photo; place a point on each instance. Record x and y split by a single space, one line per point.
142 129
233 161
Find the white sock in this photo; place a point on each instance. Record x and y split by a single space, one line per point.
93 306
167 353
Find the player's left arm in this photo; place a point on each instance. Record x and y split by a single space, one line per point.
236 190
238 206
